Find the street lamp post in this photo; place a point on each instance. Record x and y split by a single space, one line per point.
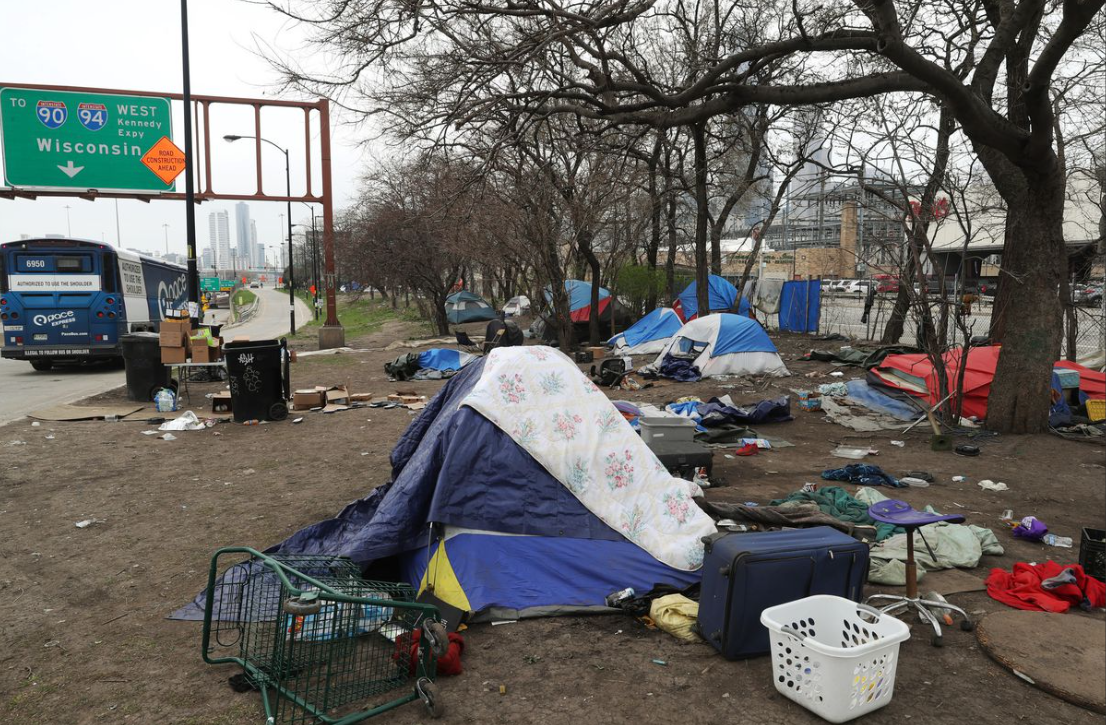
166 228
314 258
231 138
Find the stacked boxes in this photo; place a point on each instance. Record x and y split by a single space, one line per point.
174 340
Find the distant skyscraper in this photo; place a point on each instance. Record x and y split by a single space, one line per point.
242 231
256 260
261 261
218 224
207 258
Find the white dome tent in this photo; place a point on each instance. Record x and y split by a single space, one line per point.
725 344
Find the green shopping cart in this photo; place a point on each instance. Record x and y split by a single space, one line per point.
320 643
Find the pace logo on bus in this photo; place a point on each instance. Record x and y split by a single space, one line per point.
168 294
56 319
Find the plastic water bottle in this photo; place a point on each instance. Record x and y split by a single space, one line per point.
165 401
253 421
1063 542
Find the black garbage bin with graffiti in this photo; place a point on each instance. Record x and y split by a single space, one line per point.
258 373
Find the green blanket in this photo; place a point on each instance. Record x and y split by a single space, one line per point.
837 502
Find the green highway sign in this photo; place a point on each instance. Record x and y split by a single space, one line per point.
210 284
74 140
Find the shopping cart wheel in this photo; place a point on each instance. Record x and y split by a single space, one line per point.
436 637
301 607
428 693
966 625
278 411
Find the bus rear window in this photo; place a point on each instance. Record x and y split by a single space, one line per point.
72 263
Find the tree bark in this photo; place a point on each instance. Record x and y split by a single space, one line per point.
1033 266
702 284
656 201
584 241
670 259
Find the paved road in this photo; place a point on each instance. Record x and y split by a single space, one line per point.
22 389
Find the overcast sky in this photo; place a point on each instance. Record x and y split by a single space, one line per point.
135 44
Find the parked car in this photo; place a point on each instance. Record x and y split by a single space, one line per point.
834 287
1089 294
856 287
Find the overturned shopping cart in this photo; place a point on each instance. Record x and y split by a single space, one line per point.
320 643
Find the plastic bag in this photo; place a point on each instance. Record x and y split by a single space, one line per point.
676 614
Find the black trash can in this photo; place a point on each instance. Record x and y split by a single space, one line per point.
145 372
258 385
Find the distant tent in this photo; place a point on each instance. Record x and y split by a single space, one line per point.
520 490
648 335
579 300
726 344
464 306
720 292
915 375
445 359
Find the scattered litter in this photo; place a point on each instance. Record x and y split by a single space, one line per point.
914 482
298 420
248 471
727 455
364 453
966 450
959 479
86 523
168 437
502 689
36 424
899 444
989 485
853 453
836 389
837 374
185 421
504 621
50 437
17 443
662 663
924 475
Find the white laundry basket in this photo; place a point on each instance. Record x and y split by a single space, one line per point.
833 656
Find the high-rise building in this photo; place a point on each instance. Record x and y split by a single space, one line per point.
218 224
242 232
256 260
207 258
261 261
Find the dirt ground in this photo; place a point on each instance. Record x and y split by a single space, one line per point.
84 636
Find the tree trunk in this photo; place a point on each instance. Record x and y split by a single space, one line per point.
702 284
584 241
670 260
438 314
655 203
1034 263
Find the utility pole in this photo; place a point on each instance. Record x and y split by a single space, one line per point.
68 224
166 228
189 170
118 234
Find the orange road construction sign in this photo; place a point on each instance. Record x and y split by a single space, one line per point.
165 160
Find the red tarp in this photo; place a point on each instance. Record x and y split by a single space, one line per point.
979 373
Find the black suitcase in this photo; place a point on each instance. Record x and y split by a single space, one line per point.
744 574
682 458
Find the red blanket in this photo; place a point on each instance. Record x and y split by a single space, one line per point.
1022 588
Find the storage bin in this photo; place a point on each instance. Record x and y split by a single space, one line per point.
668 430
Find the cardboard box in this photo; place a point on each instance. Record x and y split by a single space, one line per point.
337 395
206 353
597 352
173 355
221 402
171 337
360 397
307 399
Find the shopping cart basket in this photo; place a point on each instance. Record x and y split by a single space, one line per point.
322 644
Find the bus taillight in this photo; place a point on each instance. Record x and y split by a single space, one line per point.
111 314
110 301
99 314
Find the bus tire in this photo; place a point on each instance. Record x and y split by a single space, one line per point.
42 365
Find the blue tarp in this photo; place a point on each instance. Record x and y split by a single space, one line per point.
720 293
869 397
796 313
659 324
443 359
737 333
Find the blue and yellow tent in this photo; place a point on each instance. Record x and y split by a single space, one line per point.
472 517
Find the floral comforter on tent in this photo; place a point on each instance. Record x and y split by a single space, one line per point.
541 399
